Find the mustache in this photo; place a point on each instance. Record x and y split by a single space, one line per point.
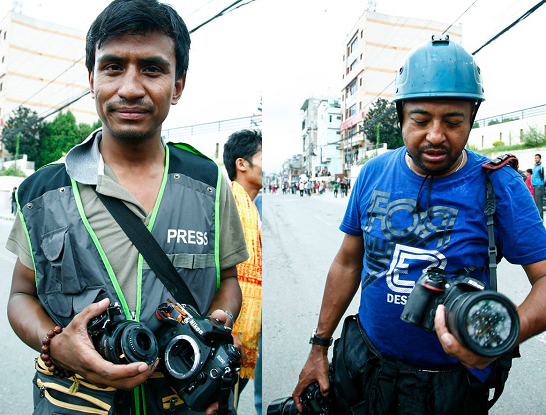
141 104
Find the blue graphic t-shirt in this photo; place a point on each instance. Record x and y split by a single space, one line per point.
410 223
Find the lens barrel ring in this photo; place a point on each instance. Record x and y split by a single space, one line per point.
472 329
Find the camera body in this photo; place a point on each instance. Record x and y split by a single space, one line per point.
484 321
197 355
312 400
432 289
122 341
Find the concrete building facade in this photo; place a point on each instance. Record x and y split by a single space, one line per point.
42 66
328 123
373 51
309 135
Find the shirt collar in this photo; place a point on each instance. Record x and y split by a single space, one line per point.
84 162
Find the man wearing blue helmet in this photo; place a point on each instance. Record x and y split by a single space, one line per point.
423 207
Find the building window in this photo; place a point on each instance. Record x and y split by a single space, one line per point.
3 58
352 110
352 65
339 117
343 58
1 84
352 88
5 33
360 81
330 118
361 56
353 44
360 106
361 33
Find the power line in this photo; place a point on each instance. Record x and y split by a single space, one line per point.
457 19
215 16
54 111
506 29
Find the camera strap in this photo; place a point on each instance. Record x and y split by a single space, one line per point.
146 244
490 208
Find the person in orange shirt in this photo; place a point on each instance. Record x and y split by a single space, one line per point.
243 162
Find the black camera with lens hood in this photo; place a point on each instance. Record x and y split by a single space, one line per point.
484 321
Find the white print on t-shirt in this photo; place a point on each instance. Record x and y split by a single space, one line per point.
187 237
401 257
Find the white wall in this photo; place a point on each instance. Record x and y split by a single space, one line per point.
509 132
7 183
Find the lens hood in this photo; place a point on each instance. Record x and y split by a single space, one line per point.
486 322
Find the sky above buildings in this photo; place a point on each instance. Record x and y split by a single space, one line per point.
291 50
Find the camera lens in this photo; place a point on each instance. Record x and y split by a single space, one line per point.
182 356
486 322
138 343
282 406
128 342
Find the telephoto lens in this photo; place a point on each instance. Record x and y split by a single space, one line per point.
486 322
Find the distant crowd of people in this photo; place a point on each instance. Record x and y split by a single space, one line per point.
309 187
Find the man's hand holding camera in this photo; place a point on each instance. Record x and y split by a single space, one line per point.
73 350
454 348
316 368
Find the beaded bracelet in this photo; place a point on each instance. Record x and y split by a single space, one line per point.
46 356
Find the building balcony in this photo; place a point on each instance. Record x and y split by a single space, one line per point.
352 121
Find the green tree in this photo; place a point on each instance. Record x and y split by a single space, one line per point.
59 136
23 123
533 137
383 112
86 129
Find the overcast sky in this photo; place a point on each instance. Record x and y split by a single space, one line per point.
291 50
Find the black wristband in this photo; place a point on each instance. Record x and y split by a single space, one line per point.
321 341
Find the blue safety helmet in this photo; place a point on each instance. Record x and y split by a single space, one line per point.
439 68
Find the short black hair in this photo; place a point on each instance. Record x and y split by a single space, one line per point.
539 156
140 17
242 144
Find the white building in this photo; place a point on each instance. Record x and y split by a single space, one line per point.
328 122
42 66
309 136
373 51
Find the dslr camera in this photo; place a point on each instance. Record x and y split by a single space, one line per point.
312 400
122 341
484 321
197 355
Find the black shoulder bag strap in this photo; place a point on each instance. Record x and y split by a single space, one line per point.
504 362
146 244
491 206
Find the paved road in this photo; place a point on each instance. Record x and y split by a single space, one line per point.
301 237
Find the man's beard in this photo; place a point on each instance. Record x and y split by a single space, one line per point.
447 164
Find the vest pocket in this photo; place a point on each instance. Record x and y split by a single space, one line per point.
54 396
59 251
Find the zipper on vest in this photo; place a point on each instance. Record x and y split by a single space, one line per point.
133 315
